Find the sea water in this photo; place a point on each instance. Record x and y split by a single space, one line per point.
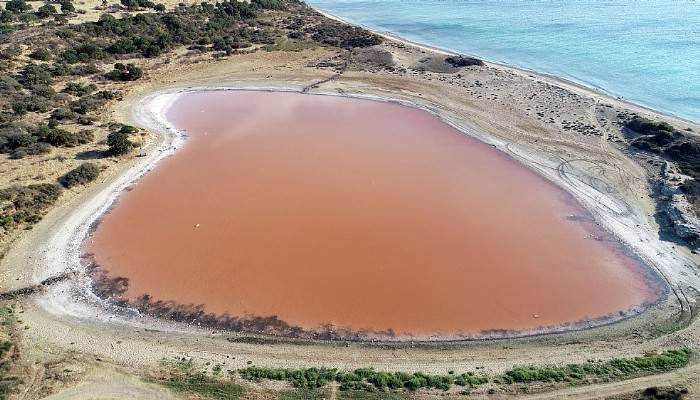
645 51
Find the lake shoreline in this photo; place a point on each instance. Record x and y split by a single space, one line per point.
106 287
151 114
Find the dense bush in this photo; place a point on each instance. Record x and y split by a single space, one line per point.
41 54
82 174
12 137
62 138
644 126
17 6
361 379
461 61
83 52
87 104
35 74
67 6
26 204
119 143
46 11
128 72
342 35
618 367
79 90
30 150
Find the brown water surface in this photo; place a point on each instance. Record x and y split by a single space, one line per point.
361 214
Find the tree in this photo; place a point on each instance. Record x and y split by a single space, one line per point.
41 54
121 72
84 173
46 11
67 6
17 6
119 143
34 74
130 4
6 16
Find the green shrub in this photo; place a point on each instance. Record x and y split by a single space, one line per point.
7 16
647 127
62 114
86 104
84 52
81 175
17 6
41 54
461 61
31 150
34 74
366 379
128 72
46 11
62 138
119 143
79 90
26 204
665 361
13 138
67 6
124 128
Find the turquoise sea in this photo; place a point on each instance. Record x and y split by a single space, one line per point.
647 51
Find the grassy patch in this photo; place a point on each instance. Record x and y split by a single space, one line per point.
183 377
613 369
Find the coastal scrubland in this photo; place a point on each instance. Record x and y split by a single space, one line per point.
65 67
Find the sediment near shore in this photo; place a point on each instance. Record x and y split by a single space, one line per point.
508 109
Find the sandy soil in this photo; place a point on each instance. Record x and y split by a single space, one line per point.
518 112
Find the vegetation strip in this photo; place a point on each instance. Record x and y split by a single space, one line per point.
362 378
184 376
371 380
616 368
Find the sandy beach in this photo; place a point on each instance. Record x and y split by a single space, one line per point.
518 112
